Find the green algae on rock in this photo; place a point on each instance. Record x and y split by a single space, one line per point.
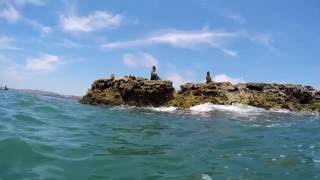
142 92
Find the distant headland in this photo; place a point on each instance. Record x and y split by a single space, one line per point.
137 91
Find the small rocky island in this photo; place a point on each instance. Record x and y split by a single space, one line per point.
136 91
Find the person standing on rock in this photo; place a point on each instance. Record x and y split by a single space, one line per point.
208 77
154 75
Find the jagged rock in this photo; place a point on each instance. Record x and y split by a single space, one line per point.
284 96
142 92
129 91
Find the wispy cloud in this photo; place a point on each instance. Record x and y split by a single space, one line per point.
9 10
32 2
178 38
230 53
194 40
238 18
44 30
98 20
226 78
12 72
7 43
9 13
44 63
67 43
264 39
139 60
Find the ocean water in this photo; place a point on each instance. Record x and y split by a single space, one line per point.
50 138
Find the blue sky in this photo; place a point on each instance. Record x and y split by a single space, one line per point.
63 46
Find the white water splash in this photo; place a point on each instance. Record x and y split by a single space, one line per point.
163 109
205 177
316 160
236 108
281 110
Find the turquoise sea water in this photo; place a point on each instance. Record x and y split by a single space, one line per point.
50 138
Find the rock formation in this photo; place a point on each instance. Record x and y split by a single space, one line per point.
129 91
268 96
141 92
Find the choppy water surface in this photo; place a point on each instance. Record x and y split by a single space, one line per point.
50 138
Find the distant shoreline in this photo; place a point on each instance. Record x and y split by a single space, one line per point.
47 93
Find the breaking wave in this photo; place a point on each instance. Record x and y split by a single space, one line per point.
163 109
206 108
236 108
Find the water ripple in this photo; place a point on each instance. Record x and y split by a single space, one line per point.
51 138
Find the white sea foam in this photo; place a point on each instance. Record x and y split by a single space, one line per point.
158 109
163 109
281 110
122 107
209 107
316 160
236 108
205 177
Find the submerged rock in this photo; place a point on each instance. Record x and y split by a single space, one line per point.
142 92
129 91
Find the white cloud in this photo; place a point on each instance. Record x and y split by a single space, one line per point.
264 39
235 17
7 43
139 60
44 30
9 13
180 39
230 53
43 63
194 40
225 78
93 22
177 79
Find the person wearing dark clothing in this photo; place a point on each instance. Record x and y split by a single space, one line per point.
208 77
154 75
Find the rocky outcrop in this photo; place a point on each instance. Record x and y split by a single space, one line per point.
275 96
141 92
129 91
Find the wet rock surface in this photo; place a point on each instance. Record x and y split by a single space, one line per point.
143 92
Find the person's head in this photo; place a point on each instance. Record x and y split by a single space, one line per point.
208 73
154 68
